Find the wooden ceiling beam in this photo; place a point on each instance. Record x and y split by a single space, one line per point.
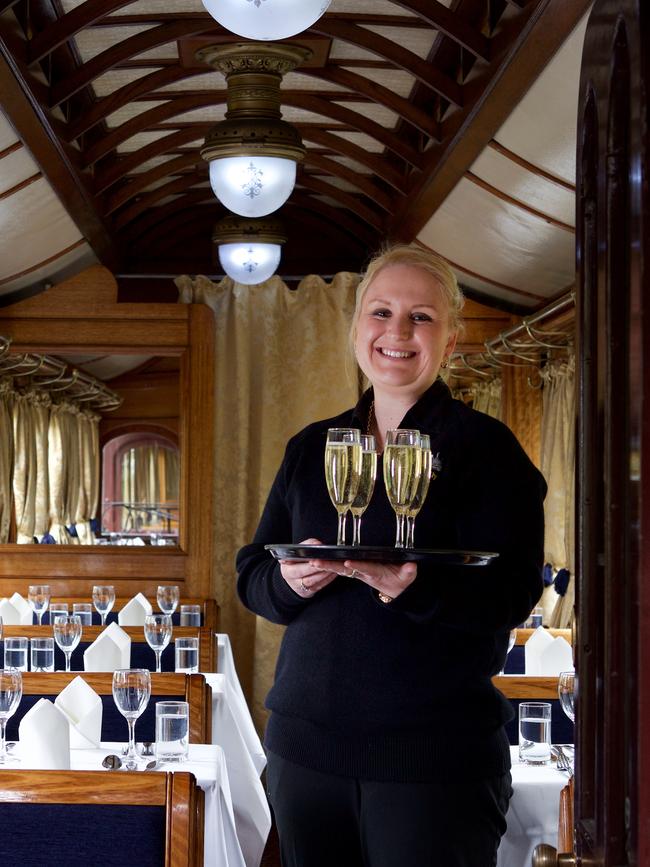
139 182
451 24
363 183
336 217
64 28
148 200
347 200
155 216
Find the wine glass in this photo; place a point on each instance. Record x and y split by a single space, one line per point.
566 693
512 639
131 692
421 490
402 471
38 596
342 471
103 599
158 632
11 690
67 634
366 484
167 597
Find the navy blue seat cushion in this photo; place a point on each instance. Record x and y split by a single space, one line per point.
111 617
515 661
562 729
142 656
80 835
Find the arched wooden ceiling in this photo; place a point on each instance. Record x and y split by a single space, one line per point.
107 101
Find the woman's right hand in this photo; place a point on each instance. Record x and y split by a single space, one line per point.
302 577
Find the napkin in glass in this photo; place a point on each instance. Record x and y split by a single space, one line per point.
533 650
44 736
135 611
109 651
82 707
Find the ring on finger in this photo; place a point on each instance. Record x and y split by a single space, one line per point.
355 573
304 588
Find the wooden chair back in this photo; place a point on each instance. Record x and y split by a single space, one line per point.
519 688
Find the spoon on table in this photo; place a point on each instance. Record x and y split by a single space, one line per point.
112 762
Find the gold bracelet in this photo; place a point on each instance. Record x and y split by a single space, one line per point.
383 598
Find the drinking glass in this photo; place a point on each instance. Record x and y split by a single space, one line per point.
186 655
131 692
103 599
0 628
172 731
42 654
535 732
402 471
566 693
167 597
366 484
342 471
190 615
57 608
85 612
512 639
38 596
158 632
67 634
421 490
11 690
16 653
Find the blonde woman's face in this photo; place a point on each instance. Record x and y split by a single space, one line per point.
403 332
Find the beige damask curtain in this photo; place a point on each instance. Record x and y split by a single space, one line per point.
280 364
487 397
6 457
558 467
88 478
59 457
24 471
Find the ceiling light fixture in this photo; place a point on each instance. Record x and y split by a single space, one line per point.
266 19
249 250
253 153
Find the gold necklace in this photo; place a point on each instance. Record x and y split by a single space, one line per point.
371 416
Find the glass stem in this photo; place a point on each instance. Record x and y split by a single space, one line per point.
3 743
68 654
356 529
399 535
103 616
340 536
158 655
131 754
39 614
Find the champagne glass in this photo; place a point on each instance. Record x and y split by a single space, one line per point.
38 596
11 690
67 634
167 597
402 471
421 490
342 471
131 692
103 599
566 693
158 632
512 639
366 484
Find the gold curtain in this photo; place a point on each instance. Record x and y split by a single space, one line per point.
58 457
280 364
6 457
88 431
487 397
558 467
24 469
41 416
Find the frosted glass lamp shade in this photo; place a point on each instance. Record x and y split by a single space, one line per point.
266 19
252 186
248 262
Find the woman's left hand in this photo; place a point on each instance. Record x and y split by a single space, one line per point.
389 579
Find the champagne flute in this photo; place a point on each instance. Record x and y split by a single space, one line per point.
131 692
402 471
366 484
67 634
421 490
566 693
11 690
38 596
103 599
167 597
158 632
342 471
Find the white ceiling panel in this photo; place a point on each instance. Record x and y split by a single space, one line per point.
419 41
129 111
362 140
8 135
111 81
142 139
15 168
93 41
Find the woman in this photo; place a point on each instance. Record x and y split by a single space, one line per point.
385 741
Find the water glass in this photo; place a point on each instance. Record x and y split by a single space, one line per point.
190 615
536 618
535 732
85 612
38 596
131 693
57 608
186 655
67 634
158 633
11 691
103 599
167 597
172 731
567 693
42 654
16 654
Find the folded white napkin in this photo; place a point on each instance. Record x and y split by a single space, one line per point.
533 649
9 613
82 707
135 611
16 611
109 651
556 657
44 736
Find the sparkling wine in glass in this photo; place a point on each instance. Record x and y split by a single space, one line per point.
566 693
402 471
158 632
131 692
103 599
67 634
11 690
366 484
168 596
342 471
38 596
421 491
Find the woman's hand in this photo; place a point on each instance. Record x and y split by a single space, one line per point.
389 579
306 577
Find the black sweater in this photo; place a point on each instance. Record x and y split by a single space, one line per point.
402 691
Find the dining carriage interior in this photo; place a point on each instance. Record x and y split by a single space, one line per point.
162 337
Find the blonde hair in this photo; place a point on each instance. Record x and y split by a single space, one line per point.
417 257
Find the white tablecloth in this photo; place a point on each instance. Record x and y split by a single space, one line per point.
534 811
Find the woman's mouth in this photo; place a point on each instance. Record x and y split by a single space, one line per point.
395 353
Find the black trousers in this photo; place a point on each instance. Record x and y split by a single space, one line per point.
329 821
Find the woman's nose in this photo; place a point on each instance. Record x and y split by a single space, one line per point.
400 327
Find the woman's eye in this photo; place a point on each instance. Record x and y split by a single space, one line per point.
421 317
381 313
